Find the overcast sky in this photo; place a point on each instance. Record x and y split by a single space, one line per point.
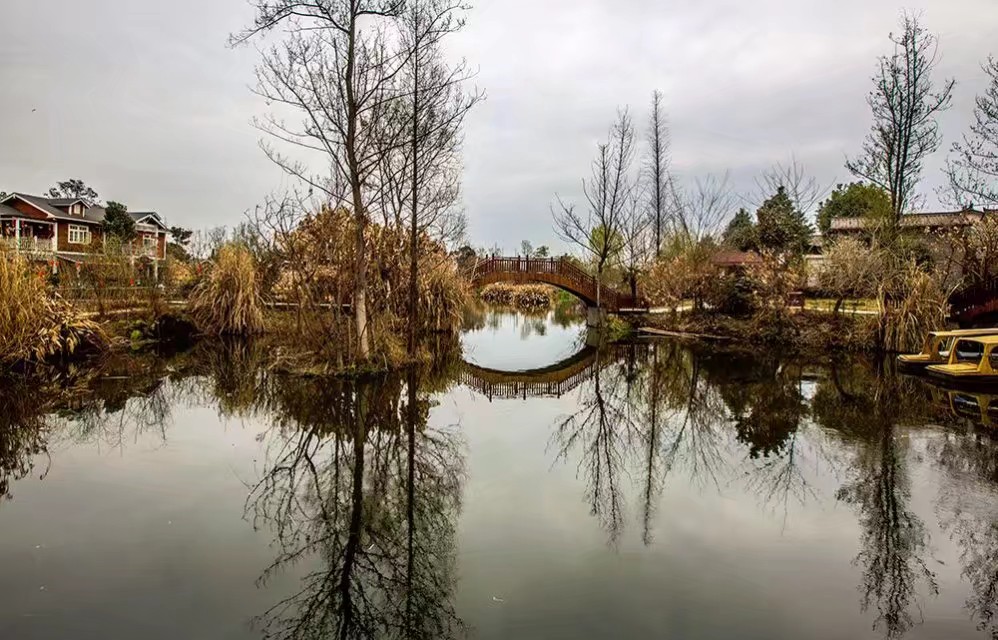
144 101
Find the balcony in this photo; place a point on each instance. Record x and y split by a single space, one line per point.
30 244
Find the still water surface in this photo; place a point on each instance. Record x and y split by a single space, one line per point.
643 490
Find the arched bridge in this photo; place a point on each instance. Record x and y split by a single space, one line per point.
557 272
976 305
548 382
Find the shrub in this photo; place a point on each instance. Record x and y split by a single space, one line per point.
732 294
227 301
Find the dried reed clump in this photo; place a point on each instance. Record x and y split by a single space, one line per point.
521 296
35 324
227 301
914 303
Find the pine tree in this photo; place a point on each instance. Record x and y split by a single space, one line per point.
781 227
741 232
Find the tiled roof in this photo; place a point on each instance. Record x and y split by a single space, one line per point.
93 214
917 220
736 258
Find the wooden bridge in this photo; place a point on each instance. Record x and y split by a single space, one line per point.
976 305
549 382
558 272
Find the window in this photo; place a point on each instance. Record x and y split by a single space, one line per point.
148 241
79 234
77 209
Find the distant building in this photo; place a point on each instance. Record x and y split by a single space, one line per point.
941 231
917 222
735 261
69 230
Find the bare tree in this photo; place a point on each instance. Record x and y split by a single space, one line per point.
336 71
804 190
434 108
905 104
973 168
599 231
657 169
702 208
639 241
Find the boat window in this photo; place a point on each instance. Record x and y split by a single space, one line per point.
943 347
993 358
967 351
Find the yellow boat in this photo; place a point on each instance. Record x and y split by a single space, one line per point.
937 346
971 361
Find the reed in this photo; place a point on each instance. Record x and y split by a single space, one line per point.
35 324
521 296
914 303
227 301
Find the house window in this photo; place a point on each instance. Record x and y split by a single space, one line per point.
148 241
77 209
79 234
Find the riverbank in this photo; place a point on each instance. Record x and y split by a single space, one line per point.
798 331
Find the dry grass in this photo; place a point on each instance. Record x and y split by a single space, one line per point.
521 296
36 325
915 303
227 301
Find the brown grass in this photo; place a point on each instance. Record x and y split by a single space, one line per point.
914 304
227 301
521 296
35 324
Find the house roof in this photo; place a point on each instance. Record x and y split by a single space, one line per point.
736 258
92 214
917 220
141 216
65 202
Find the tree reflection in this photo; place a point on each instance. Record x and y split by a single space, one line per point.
894 540
359 482
602 428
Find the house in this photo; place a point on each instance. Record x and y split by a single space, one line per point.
70 230
942 235
924 223
736 261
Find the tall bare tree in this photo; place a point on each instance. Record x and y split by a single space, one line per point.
657 168
609 191
973 168
434 107
905 103
336 72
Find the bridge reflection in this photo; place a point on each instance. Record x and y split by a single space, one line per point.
552 381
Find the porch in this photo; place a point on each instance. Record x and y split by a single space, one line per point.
28 236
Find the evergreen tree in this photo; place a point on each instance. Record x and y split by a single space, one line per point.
741 232
117 222
781 227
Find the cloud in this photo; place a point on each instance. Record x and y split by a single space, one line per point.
144 100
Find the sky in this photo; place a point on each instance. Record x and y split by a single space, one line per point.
144 100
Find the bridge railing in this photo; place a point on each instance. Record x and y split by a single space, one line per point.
967 299
582 282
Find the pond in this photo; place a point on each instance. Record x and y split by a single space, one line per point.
538 487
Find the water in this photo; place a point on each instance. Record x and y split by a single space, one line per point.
646 490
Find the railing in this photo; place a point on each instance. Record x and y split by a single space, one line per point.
30 244
559 271
970 298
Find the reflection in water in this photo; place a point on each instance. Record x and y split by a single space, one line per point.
362 492
371 494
